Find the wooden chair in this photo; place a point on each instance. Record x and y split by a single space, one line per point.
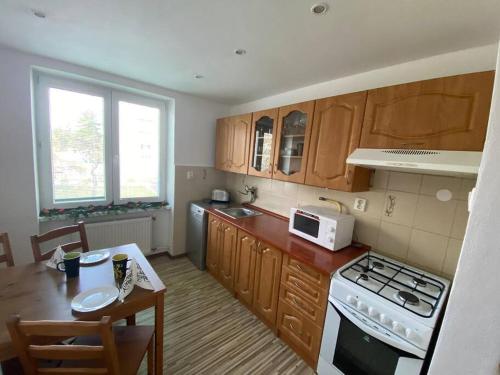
7 251
99 348
56 233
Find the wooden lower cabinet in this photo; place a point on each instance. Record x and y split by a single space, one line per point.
244 273
299 333
213 240
227 255
267 283
289 296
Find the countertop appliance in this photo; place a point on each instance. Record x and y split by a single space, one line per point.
437 162
322 225
196 231
220 195
380 317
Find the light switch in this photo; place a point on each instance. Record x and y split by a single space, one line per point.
189 175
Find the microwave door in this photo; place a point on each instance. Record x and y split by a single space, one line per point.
361 349
306 224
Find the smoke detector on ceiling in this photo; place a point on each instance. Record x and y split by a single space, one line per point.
319 9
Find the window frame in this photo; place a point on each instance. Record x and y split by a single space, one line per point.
118 96
42 83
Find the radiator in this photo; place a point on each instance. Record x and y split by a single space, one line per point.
120 232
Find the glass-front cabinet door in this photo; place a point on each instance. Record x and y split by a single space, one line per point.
263 141
294 131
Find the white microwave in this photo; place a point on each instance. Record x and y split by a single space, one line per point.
323 226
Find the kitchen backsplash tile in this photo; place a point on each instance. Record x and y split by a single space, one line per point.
403 217
434 216
427 250
400 207
407 182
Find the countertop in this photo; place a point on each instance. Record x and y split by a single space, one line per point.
273 229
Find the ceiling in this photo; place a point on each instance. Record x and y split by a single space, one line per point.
167 42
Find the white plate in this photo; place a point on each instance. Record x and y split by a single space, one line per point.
95 256
94 299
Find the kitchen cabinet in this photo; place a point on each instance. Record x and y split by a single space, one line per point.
449 113
267 283
262 143
246 256
292 142
302 307
213 240
336 132
227 255
221 251
232 143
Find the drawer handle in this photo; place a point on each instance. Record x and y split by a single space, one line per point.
293 328
299 267
300 305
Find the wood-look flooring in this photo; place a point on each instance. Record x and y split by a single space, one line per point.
207 331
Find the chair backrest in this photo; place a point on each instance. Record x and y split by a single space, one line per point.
7 251
56 233
28 336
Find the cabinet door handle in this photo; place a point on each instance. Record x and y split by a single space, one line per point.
349 176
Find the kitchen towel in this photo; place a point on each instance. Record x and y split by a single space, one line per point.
135 276
56 258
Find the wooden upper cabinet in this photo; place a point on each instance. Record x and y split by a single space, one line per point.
227 255
448 113
262 142
232 143
336 132
213 239
267 283
244 272
292 142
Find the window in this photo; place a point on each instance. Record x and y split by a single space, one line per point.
97 145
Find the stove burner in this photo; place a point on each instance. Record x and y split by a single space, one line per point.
408 297
378 265
363 277
419 282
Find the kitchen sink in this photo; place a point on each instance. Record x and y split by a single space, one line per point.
238 212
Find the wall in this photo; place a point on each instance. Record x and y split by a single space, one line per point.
194 120
421 230
464 61
469 341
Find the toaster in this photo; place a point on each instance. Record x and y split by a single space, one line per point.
220 195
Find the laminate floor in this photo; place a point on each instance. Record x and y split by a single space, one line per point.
207 331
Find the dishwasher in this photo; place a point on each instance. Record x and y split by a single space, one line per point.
196 231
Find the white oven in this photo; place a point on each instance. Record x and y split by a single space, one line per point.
381 317
323 226
351 345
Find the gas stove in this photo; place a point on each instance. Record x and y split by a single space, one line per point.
391 297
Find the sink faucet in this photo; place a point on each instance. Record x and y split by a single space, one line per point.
252 190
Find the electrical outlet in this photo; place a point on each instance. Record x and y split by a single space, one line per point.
189 175
360 204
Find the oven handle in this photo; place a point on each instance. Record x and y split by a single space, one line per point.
389 340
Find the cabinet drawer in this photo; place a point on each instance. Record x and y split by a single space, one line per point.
300 333
311 292
306 273
309 310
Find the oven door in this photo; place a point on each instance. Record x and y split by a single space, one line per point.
351 345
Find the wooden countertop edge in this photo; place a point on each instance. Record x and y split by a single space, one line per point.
237 223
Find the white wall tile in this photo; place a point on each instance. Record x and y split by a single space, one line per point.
427 250
380 179
451 258
434 216
403 210
460 220
366 230
432 184
393 240
406 182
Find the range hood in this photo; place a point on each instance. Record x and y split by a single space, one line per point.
437 162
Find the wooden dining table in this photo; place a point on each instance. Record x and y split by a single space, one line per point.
37 292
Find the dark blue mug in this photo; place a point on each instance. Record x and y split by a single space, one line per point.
71 263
